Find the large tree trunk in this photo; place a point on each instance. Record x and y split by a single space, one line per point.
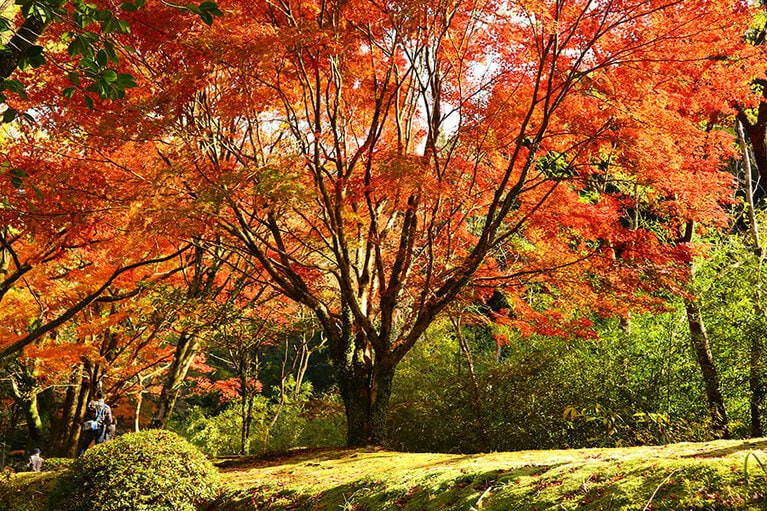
186 349
67 432
365 383
366 399
34 421
25 391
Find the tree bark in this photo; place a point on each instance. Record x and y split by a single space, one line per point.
479 412
186 349
67 432
702 348
756 345
367 406
711 381
364 381
756 384
25 390
757 136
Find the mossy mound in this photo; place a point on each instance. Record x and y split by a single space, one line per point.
721 475
148 471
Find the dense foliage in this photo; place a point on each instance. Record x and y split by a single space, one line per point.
483 220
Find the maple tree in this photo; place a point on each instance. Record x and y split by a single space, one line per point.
381 160
91 33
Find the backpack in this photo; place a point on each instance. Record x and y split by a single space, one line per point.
94 423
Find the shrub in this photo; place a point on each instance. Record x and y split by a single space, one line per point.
149 471
55 464
308 423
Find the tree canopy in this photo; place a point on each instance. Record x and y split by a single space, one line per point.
377 162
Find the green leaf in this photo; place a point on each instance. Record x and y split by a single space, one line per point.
32 57
88 101
126 81
109 75
9 114
128 7
13 86
102 58
88 65
17 177
107 26
69 92
75 47
74 78
109 48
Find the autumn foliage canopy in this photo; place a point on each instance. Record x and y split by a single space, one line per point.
382 163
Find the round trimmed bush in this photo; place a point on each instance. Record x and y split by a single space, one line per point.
152 470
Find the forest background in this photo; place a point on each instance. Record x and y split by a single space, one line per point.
454 227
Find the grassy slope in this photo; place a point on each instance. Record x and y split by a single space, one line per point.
710 476
693 476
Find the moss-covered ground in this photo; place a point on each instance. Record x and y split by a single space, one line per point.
719 475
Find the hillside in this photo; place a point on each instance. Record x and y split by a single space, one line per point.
719 475
711 476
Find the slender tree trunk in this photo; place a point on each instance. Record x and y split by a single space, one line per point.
86 388
186 349
756 345
756 385
702 348
479 413
757 135
246 413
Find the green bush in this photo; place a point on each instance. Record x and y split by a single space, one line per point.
307 423
149 471
54 464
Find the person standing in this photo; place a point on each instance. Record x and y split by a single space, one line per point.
98 417
36 461
111 431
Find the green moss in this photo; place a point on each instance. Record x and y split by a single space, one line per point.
721 475
706 476
27 491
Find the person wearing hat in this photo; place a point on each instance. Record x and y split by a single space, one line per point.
36 461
